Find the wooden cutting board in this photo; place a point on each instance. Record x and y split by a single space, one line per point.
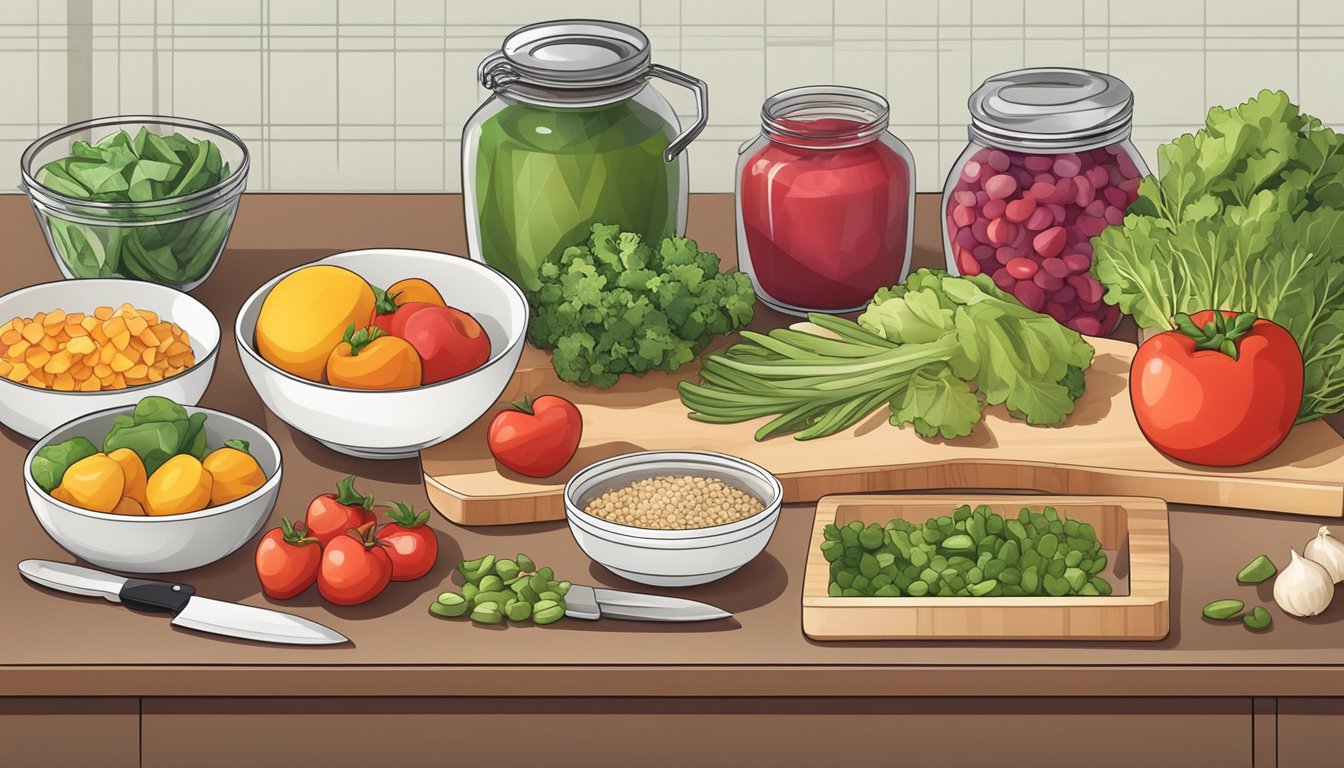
1133 532
1100 451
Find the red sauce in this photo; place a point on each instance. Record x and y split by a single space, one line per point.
825 227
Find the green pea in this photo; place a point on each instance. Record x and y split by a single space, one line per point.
844 578
548 612
871 538
833 590
1099 562
1222 610
1102 586
562 587
1088 590
1015 530
491 583
546 573
918 558
1010 576
487 613
1008 552
851 593
487 565
1056 568
1055 586
538 583
849 537
959 543
550 595
868 565
1031 580
518 610
993 568
500 597
1070 527
449 604
890 590
526 565
918 589
1048 545
1073 558
1075 577
983 588
832 550
469 591
1257 619
975 575
1257 571
938 563
507 569
861 583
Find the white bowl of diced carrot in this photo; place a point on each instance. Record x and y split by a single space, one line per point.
70 348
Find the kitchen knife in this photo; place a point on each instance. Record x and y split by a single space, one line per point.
591 604
189 610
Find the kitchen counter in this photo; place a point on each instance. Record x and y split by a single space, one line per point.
140 692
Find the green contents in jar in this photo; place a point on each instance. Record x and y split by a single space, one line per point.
162 244
545 175
971 553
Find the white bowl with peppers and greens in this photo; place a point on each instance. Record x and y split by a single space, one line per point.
145 198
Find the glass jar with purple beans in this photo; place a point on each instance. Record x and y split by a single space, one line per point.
1049 165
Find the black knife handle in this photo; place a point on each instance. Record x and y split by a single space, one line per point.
156 595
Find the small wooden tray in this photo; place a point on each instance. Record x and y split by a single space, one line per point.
1132 530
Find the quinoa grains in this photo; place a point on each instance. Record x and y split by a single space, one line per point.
675 502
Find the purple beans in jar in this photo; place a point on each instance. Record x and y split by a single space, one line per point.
1048 167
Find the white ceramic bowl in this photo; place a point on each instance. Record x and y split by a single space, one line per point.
158 544
397 423
33 412
676 558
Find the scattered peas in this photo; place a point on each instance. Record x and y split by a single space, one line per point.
500 588
1222 610
1257 619
972 552
1257 571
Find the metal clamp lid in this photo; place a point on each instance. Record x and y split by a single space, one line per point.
573 61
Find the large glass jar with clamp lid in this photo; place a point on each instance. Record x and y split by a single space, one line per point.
573 135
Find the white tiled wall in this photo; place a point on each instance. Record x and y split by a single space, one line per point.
359 95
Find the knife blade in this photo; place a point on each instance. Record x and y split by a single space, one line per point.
189 609
590 604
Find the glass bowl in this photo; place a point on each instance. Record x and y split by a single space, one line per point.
173 241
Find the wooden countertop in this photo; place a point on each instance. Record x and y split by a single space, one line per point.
57 645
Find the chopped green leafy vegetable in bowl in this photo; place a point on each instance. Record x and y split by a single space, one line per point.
935 351
614 305
1246 214
144 198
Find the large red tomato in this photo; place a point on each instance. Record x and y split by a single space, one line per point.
536 438
1222 390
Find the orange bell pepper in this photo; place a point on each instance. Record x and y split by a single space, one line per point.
370 359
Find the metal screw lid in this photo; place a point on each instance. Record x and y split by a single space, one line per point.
1053 109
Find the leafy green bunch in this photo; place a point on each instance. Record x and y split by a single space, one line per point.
614 305
1246 214
145 168
935 351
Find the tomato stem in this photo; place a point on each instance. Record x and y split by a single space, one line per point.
524 405
1222 333
347 495
367 534
295 534
360 339
404 515
384 303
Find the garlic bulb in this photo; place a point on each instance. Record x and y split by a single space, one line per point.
1329 552
1304 588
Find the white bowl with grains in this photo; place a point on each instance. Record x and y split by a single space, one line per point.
672 518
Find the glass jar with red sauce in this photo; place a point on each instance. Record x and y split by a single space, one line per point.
825 201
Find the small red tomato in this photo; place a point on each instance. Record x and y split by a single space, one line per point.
450 342
410 543
287 560
355 568
1222 390
391 316
538 438
332 514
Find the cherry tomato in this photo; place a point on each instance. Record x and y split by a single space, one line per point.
538 437
450 342
355 567
410 543
332 514
287 560
1222 390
